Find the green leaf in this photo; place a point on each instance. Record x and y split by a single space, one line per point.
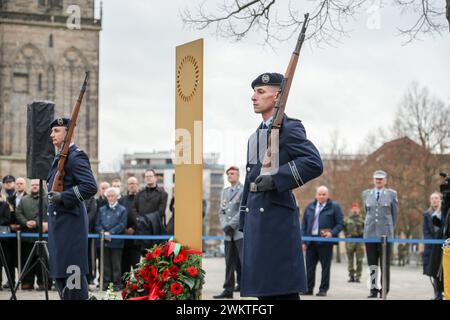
190 282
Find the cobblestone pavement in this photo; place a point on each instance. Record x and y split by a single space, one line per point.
407 283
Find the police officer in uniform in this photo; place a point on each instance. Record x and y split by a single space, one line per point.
67 218
381 206
273 265
229 220
354 228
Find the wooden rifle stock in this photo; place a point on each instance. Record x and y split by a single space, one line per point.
58 181
270 161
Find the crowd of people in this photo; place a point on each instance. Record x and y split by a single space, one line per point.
138 211
324 217
113 212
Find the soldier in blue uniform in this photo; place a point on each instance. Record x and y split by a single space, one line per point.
68 220
273 265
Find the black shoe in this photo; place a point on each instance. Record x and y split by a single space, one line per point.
5 286
374 294
224 295
237 289
307 293
357 280
321 294
351 279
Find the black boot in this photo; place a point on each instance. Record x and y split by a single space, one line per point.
224 295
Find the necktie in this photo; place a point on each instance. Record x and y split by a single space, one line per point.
315 228
378 195
264 126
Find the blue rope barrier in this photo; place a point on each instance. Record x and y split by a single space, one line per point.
206 238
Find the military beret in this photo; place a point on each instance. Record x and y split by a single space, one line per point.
268 79
232 168
59 122
379 174
8 178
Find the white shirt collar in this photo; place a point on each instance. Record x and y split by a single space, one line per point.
114 205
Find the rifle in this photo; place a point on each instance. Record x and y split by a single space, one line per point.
58 185
270 161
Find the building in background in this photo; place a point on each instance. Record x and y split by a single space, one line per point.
41 58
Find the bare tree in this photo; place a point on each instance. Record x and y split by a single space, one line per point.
424 118
236 18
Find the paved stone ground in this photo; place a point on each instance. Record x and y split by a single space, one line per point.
407 283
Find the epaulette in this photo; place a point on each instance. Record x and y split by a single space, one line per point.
293 119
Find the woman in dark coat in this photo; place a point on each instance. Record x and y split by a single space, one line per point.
432 254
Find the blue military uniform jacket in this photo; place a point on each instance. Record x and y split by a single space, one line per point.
273 262
330 217
68 222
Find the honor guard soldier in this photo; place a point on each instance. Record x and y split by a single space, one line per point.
381 206
354 228
273 265
67 218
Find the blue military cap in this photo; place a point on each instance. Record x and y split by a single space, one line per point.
8 178
59 122
268 79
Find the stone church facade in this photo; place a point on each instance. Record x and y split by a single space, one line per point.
41 58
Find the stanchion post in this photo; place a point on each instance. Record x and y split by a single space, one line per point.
383 266
102 251
19 250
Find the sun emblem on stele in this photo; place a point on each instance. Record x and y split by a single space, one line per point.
188 78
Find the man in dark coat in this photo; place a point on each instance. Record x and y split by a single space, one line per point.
323 218
130 254
272 263
67 218
151 199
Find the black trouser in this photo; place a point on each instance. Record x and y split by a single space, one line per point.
233 257
112 267
290 296
316 252
92 259
10 249
438 287
70 291
374 256
130 256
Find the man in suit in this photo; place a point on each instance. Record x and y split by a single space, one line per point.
381 206
272 262
229 220
68 222
323 218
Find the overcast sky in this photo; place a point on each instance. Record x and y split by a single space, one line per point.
353 87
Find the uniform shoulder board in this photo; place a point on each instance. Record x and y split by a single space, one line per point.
293 119
79 150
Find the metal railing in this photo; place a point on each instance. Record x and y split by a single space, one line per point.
384 241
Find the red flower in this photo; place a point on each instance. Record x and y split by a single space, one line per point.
176 289
179 258
174 270
148 256
154 272
134 287
193 272
165 275
156 252
166 250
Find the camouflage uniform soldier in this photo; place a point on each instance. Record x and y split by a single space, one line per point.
354 228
